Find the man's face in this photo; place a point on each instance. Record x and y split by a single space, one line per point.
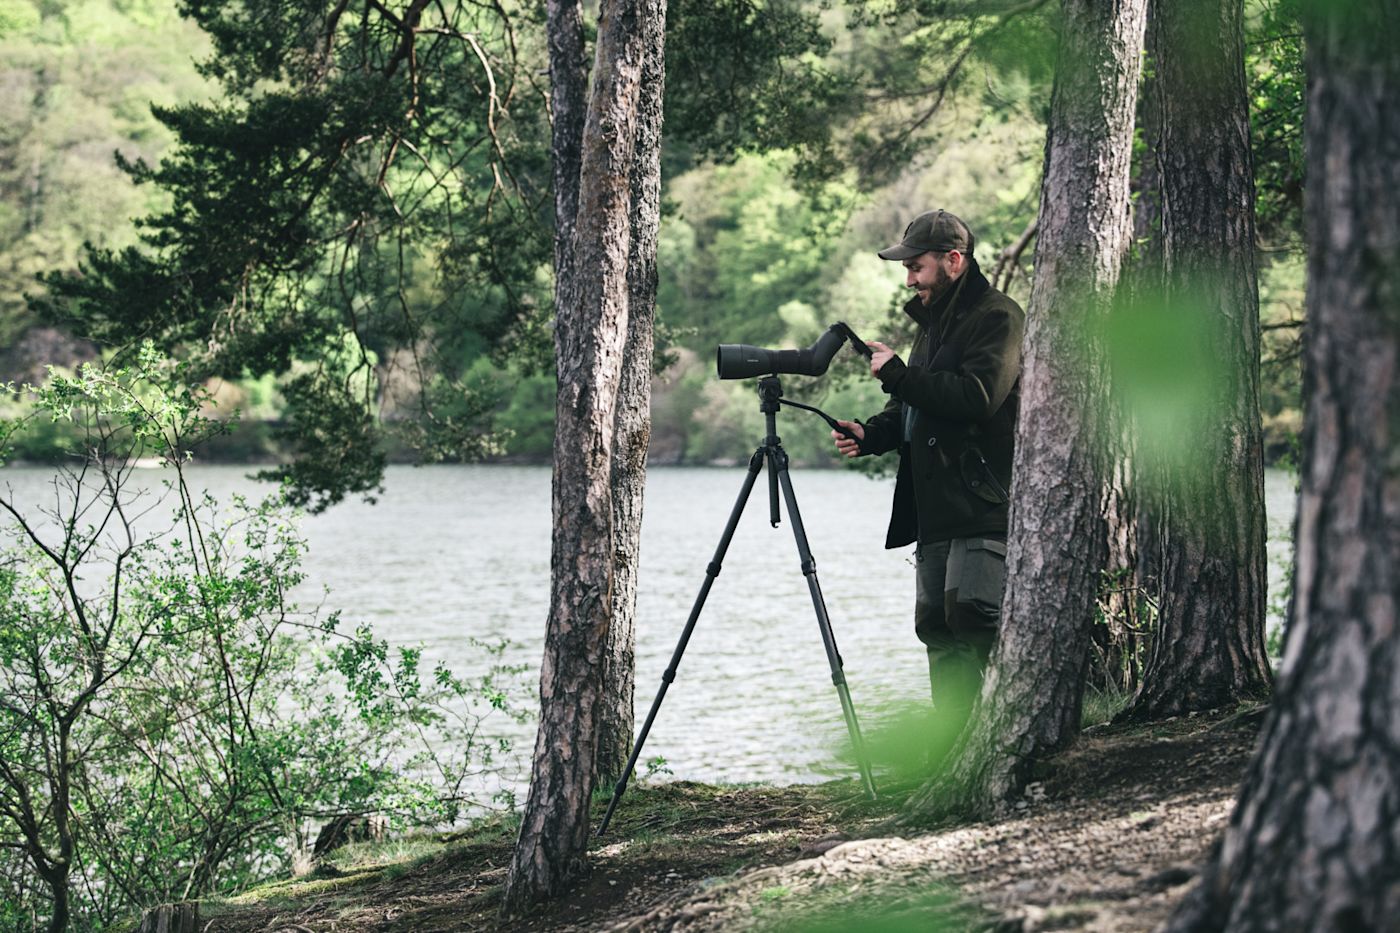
928 274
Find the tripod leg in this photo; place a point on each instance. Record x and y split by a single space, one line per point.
711 572
778 464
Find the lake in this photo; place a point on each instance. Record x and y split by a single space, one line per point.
452 553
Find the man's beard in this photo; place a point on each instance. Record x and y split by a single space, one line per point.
941 281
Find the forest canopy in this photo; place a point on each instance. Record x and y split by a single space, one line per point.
353 250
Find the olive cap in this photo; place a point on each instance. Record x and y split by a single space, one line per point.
933 231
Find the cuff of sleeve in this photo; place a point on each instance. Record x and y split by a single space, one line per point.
891 373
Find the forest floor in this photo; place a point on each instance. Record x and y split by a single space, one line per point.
1109 840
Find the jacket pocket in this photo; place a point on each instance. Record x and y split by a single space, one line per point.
979 478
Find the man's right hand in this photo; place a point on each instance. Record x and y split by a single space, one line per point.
844 444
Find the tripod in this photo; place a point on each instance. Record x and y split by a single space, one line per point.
770 452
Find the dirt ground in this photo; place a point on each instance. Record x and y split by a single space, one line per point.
1109 841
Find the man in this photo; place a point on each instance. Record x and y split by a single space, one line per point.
952 416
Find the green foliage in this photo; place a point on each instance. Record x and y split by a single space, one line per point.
169 722
749 76
333 434
80 78
1125 619
1281 312
742 243
1274 67
362 181
914 60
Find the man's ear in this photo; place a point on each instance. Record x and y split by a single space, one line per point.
956 261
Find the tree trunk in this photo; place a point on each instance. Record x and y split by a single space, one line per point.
633 422
1129 567
1314 842
568 104
58 882
171 918
1209 648
590 335
1033 690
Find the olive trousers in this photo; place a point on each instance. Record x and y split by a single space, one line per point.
957 605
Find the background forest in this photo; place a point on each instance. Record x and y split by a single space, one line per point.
767 232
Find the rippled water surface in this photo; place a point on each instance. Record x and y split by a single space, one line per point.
452 553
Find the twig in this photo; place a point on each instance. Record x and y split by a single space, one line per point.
1008 260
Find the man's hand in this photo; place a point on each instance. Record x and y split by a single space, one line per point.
846 445
881 356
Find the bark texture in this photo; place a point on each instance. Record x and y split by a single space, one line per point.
590 335
633 420
568 106
1209 647
1130 564
1033 690
1314 842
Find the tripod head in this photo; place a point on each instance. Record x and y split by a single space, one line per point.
770 399
770 391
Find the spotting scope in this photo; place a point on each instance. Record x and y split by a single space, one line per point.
740 361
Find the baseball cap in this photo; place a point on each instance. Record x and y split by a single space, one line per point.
937 231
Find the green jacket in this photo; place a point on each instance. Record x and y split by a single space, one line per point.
952 415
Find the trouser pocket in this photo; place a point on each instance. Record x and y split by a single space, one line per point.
975 581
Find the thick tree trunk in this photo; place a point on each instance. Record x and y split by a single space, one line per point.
633 427
590 334
1031 696
1129 567
1209 647
1314 843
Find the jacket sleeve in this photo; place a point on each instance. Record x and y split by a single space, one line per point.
885 430
990 365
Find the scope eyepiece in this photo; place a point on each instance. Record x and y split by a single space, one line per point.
740 361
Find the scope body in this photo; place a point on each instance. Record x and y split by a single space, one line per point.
740 360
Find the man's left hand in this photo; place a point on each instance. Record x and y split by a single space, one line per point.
881 356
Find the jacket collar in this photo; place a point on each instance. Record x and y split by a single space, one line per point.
964 294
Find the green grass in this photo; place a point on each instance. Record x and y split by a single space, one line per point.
931 908
1101 706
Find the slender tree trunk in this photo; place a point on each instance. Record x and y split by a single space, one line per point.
1031 696
1314 842
590 335
568 104
61 868
1209 648
58 881
633 426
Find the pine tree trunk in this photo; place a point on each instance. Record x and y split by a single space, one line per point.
568 104
633 423
1314 843
590 335
1129 568
1031 696
1209 647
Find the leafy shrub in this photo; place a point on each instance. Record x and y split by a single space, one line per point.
170 724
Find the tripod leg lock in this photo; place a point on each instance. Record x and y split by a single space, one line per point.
713 568
809 567
669 676
838 678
